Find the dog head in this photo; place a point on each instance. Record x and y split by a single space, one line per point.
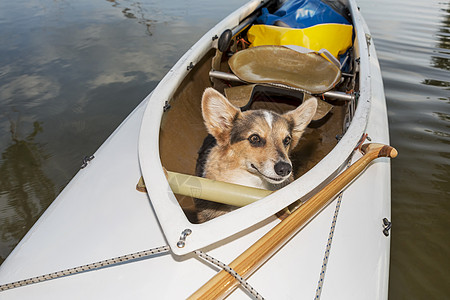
260 140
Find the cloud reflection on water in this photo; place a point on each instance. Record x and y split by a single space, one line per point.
78 68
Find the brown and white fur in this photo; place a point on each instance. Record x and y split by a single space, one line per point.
249 148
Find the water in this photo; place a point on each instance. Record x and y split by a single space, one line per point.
71 71
413 44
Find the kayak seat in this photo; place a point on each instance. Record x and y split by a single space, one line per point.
292 66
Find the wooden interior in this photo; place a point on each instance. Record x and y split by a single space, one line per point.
182 129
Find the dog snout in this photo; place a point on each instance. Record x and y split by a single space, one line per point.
282 168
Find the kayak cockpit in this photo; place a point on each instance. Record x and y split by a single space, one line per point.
282 88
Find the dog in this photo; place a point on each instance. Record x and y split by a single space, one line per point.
248 148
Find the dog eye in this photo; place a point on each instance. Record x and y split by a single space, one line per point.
287 141
254 139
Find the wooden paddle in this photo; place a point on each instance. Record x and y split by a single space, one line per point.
223 284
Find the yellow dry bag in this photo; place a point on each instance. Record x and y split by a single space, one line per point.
336 38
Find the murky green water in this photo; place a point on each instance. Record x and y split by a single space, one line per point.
71 71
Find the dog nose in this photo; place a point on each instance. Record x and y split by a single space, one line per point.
282 168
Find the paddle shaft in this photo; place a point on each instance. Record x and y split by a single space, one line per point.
223 284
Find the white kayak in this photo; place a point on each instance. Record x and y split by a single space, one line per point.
101 238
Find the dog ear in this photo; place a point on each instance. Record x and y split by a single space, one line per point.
218 114
301 117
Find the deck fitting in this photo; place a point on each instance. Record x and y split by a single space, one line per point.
86 161
182 242
387 226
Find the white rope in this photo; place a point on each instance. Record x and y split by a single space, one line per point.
330 240
84 268
232 272
327 250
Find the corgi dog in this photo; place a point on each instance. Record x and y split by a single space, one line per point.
248 148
